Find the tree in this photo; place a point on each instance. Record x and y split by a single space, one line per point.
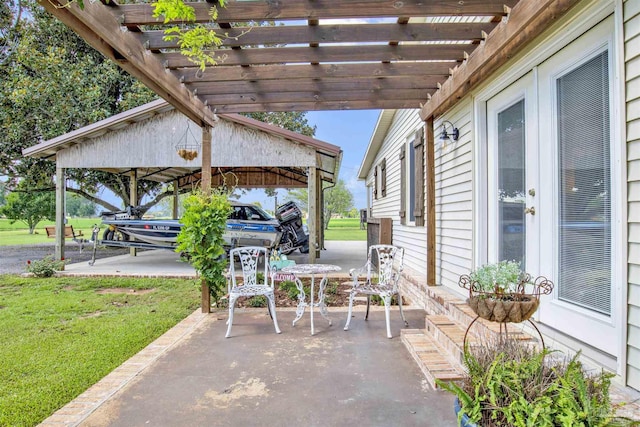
54 83
79 206
2 194
337 199
30 207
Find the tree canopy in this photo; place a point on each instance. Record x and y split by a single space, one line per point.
54 83
337 200
30 207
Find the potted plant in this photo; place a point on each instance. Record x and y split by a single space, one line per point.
502 292
203 224
510 383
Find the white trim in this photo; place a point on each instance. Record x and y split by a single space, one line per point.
620 130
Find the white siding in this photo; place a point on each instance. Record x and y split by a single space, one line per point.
413 239
632 68
454 199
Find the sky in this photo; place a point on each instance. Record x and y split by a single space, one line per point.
349 130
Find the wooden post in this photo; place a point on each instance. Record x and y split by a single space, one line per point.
133 200
430 210
60 213
206 188
312 220
176 195
206 159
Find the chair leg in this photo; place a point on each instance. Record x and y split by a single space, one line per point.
387 310
232 303
272 310
406 324
351 296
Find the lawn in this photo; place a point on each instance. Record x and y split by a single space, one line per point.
60 335
18 233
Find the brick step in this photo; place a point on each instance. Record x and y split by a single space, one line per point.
433 360
449 335
463 315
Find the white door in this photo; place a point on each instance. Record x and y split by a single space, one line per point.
512 175
578 195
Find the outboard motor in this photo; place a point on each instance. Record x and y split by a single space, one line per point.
294 234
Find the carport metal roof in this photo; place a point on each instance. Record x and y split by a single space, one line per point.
326 159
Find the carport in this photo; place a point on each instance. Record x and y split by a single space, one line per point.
145 142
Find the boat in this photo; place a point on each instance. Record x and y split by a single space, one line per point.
248 225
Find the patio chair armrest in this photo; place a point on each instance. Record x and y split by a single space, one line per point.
355 273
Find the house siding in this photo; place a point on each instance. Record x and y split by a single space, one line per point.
631 18
413 239
454 199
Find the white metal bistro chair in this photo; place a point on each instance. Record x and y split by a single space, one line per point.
381 280
249 257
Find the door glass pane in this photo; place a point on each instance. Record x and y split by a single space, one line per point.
511 184
584 177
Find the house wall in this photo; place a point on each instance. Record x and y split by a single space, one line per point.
631 18
454 198
412 238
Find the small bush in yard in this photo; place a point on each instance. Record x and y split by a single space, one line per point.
45 267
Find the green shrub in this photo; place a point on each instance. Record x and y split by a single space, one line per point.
509 383
257 301
290 288
45 267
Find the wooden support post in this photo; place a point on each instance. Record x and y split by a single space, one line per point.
312 220
206 159
176 195
430 199
60 213
206 188
133 200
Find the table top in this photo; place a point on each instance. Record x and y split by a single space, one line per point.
311 268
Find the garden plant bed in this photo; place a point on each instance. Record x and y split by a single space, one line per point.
336 294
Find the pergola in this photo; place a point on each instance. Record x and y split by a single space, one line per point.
330 55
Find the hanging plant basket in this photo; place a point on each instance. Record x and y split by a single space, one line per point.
188 146
513 306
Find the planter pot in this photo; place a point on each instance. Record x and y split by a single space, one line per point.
464 421
504 310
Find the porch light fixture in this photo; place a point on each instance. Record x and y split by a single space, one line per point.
446 136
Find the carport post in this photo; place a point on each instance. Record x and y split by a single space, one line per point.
133 200
313 185
206 188
60 214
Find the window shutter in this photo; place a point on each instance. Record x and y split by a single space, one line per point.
419 179
403 185
375 183
383 178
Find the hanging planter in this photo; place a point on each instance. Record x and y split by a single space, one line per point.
188 146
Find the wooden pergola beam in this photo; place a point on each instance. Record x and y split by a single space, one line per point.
527 20
321 71
373 104
101 30
327 54
239 11
247 36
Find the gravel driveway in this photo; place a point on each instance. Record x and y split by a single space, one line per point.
13 259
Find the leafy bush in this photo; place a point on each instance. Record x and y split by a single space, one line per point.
45 267
290 288
204 222
512 384
257 301
501 277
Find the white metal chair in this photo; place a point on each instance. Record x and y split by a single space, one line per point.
249 257
381 279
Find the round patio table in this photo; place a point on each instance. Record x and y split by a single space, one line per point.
311 270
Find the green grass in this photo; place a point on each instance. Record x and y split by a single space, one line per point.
345 229
59 336
18 233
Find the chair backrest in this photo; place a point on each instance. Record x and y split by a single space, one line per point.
249 258
389 261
